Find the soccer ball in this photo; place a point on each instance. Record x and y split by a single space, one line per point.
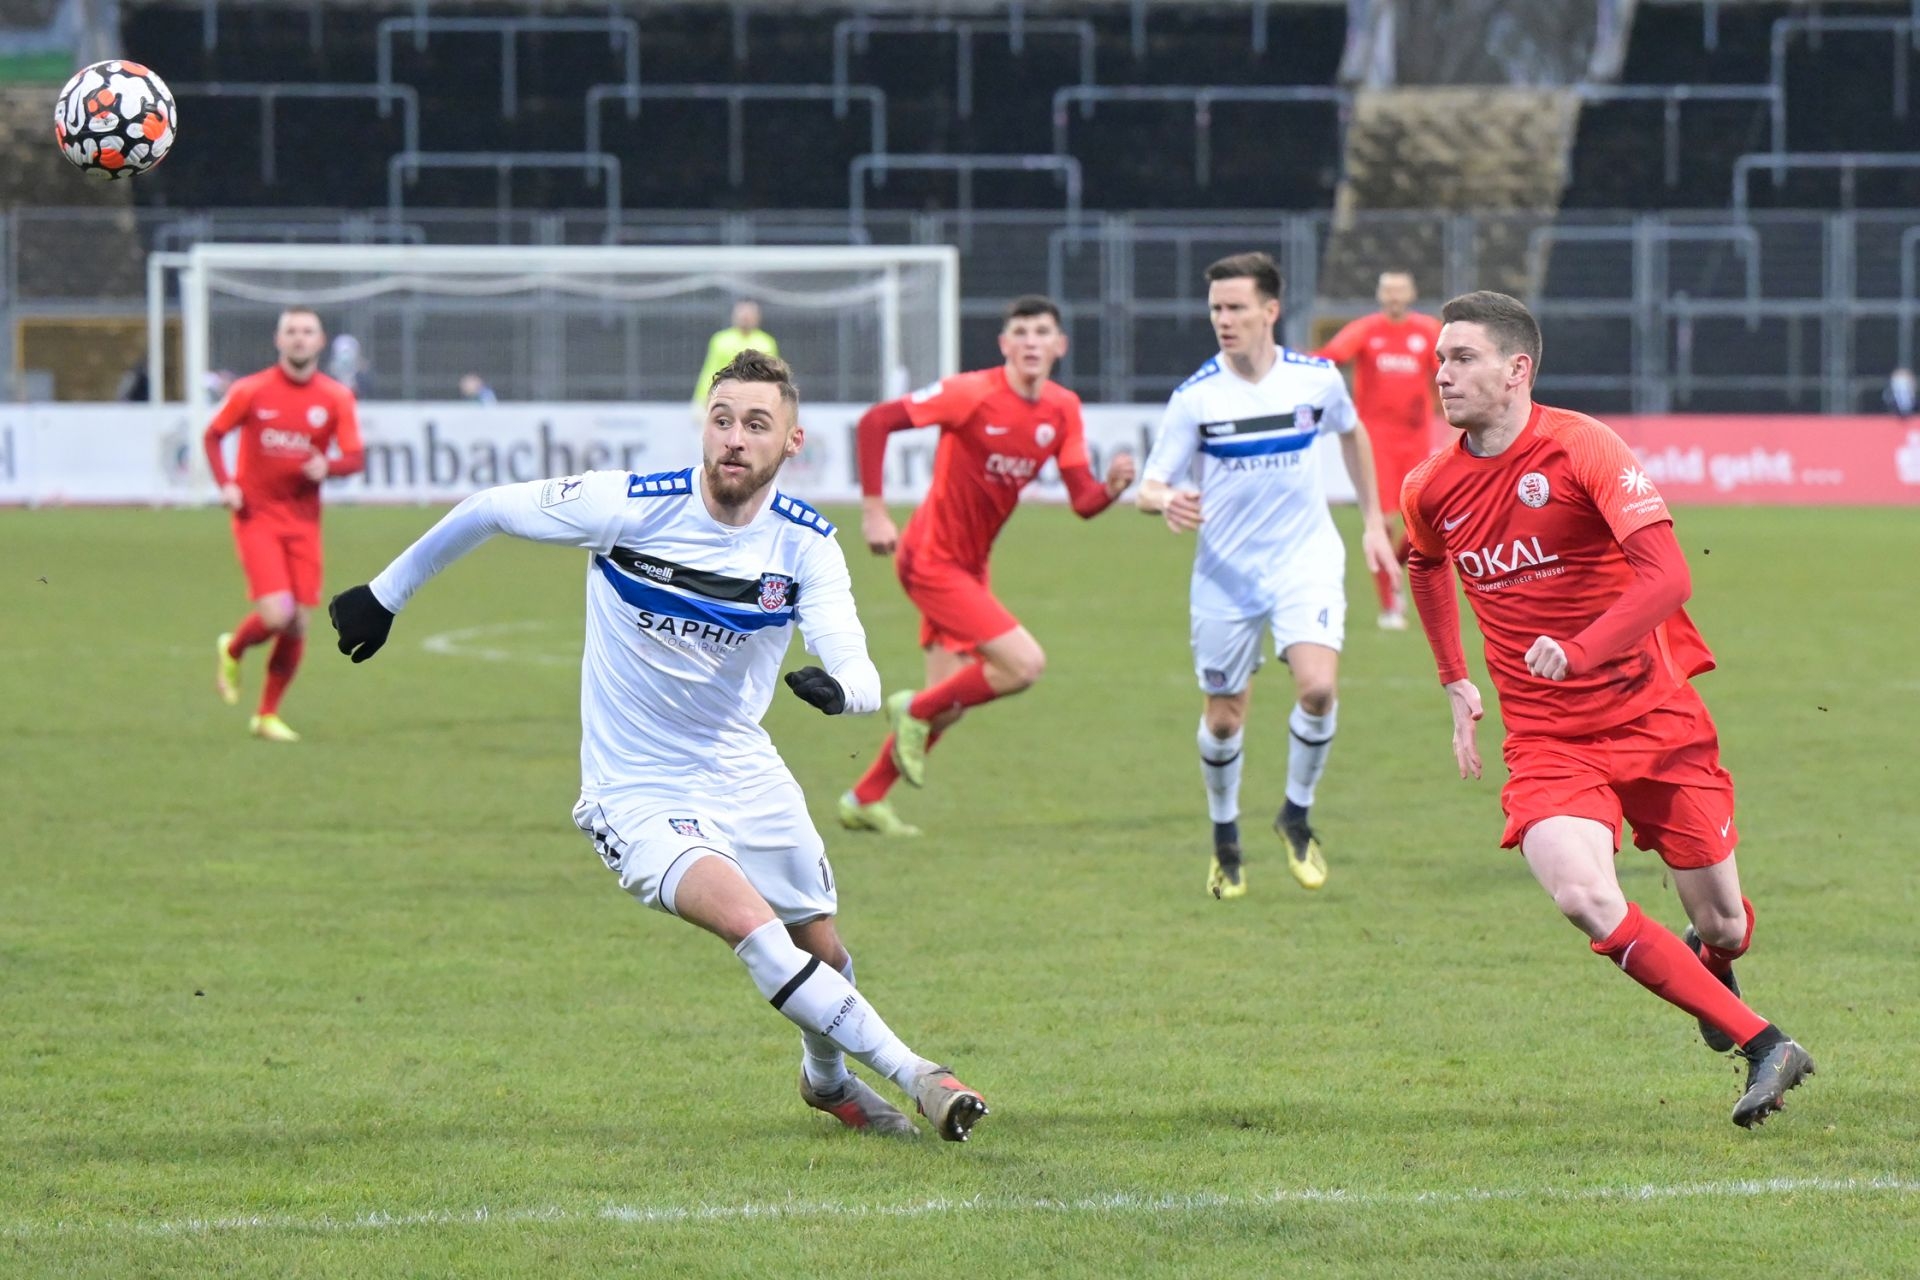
114 119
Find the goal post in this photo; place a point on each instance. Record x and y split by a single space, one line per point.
573 323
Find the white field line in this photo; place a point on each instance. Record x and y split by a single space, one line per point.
1119 1202
471 642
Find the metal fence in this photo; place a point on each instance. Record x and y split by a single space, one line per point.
1779 312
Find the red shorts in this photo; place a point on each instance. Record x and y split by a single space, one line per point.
1661 772
958 611
279 557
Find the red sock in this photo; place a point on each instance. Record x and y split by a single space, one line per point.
249 633
965 688
881 774
1652 956
281 664
1387 587
1720 960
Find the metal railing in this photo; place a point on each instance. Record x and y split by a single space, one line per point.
1847 162
848 31
963 167
1202 98
623 38
598 165
270 93
1814 25
1674 96
1648 312
736 96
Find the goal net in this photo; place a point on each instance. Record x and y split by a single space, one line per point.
558 324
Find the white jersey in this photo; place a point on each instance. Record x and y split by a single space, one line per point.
1263 500
687 619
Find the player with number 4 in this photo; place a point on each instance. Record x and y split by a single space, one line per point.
1269 557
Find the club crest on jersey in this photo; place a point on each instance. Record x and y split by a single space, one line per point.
1043 434
316 415
1534 489
687 827
775 590
1305 417
1215 678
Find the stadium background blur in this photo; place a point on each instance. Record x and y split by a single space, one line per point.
1711 207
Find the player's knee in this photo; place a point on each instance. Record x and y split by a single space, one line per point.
1317 696
274 615
1223 722
1594 907
1025 667
1721 930
296 625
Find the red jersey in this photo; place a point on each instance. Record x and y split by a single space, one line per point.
1392 369
281 424
1535 533
993 442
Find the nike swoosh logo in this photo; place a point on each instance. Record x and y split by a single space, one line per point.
1448 525
1728 827
267 413
998 431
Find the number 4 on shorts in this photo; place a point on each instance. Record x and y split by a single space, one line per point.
1323 617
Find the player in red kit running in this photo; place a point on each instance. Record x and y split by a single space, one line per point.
998 427
289 417
1391 352
1575 576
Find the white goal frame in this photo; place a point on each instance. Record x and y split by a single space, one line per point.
664 260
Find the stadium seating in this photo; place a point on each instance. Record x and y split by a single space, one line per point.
966 85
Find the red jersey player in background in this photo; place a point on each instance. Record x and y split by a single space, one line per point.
998 427
1391 352
1573 571
289 417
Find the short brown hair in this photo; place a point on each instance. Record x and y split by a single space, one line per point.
1505 318
1257 267
754 365
300 309
1032 304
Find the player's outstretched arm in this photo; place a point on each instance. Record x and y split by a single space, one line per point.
576 511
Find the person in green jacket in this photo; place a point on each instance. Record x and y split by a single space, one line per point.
744 333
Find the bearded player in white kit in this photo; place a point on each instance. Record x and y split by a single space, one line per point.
694 582
1269 557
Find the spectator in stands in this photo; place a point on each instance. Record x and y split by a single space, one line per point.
134 384
1902 395
474 387
744 333
347 366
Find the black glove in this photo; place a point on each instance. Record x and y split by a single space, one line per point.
815 687
361 620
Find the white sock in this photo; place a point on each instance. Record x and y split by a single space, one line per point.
1312 739
825 1065
1220 769
817 999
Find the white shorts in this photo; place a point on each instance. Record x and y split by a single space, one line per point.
651 837
1227 653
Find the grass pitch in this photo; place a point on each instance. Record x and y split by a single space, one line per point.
370 1006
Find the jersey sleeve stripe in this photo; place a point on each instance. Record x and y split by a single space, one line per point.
660 484
803 515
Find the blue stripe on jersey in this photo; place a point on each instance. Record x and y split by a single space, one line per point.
643 595
1201 374
802 514
1230 448
1301 357
660 484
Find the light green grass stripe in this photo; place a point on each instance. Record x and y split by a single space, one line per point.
1119 1202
